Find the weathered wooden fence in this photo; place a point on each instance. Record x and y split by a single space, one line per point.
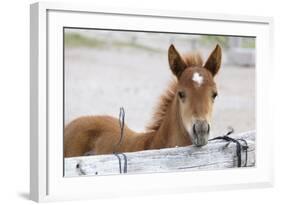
218 154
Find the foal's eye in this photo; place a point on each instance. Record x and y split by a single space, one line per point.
215 94
181 94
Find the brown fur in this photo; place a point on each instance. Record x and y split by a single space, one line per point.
164 101
192 59
101 134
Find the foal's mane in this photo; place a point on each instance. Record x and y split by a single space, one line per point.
191 59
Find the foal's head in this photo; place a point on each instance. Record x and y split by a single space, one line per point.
196 91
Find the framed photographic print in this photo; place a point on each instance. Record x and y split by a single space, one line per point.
136 97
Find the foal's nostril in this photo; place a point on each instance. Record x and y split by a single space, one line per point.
194 129
201 127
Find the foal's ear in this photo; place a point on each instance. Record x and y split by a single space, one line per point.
177 65
214 61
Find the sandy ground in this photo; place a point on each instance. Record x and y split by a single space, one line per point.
101 81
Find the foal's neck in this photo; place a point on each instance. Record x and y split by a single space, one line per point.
171 132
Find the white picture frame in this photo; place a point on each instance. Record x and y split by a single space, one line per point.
46 166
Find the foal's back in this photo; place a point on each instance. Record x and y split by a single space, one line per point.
99 135
82 135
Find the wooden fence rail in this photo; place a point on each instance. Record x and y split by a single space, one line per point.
218 154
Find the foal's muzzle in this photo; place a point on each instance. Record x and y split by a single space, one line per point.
201 130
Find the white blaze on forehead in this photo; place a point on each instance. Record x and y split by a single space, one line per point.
197 78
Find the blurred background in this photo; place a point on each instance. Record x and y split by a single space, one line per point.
106 70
